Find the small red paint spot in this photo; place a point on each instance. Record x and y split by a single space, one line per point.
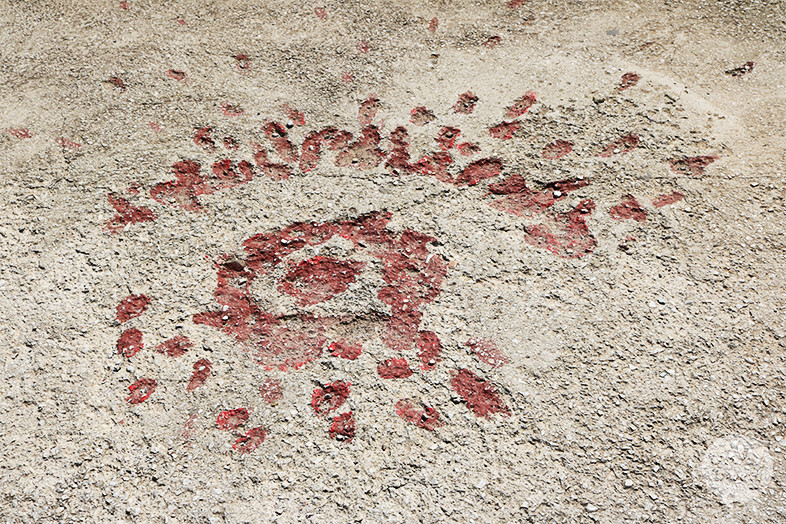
130 342
394 368
126 215
363 47
321 12
131 307
423 417
421 116
20 133
124 5
155 126
504 130
565 234
66 143
368 110
202 369
492 42
468 149
466 103
481 396
433 24
429 348
479 170
230 143
625 144
242 62
232 419
343 428
447 136
513 4
330 397
231 110
692 166
296 117
118 83
347 77
180 76
271 391
319 279
521 105
343 349
628 209
628 80
557 149
744 69
141 390
175 347
180 21
668 198
487 351
250 440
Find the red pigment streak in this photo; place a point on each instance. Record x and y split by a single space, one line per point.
231 110
447 137
429 348
232 419
130 342
479 170
66 143
296 117
190 184
518 199
565 234
368 110
203 139
504 130
202 369
124 5
242 62
492 42
624 145
180 21
347 77
177 75
420 116
343 349
628 80
230 143
319 279
468 149
521 105
363 47
481 396
141 390
271 391
668 198
487 351
557 149
423 417
175 347
132 306
466 103
433 24
744 69
628 208
513 4
330 397
343 428
20 133
394 368
155 126
693 166
250 440
127 214
321 12
118 83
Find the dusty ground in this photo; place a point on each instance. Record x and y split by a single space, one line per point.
638 374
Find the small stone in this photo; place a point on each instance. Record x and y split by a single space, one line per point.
628 483
592 508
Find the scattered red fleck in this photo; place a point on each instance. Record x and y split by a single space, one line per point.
421 116
447 137
668 198
242 62
466 103
203 139
693 166
321 12
130 342
176 75
628 80
230 143
189 427
492 42
124 5
175 347
479 170
231 110
347 77
319 279
343 349
513 4
521 105
189 184
131 307
250 440
20 133
155 126
368 110
504 130
628 208
66 143
118 83
232 418
557 149
518 199
744 69
297 117
425 417
271 390
468 149
625 144
141 390
487 351
430 348
343 427
433 24
394 368
330 397
565 234
134 187
363 47
202 369
481 396
127 214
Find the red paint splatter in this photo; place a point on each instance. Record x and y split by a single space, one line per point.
130 342
124 5
668 198
557 149
330 397
141 390
518 199
232 418
481 396
433 24
66 143
492 42
468 149
271 391
321 12
565 234
319 279
131 307
230 143
504 130
202 369
521 105
134 187
513 4
343 349
277 133
423 417
343 428
118 83
175 347
296 117
180 21
479 170
231 110
363 47
487 351
242 62
189 184
20 133
466 103
447 136
625 144
744 69
420 116
176 75
250 440
347 77
155 126
429 348
394 368
628 209
628 80
127 214
203 139
368 110
693 166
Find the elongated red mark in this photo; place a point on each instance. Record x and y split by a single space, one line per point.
504 130
433 24
175 347
668 198
189 184
394 368
423 417
118 83
130 342
66 143
481 396
343 428
628 80
521 105
744 69
468 149
629 208
487 351
126 215
692 166
321 12
626 144
492 41
202 369
132 306
518 199
231 110
343 349
250 440
141 390
232 419
420 116
20 133
176 75
557 149
429 348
